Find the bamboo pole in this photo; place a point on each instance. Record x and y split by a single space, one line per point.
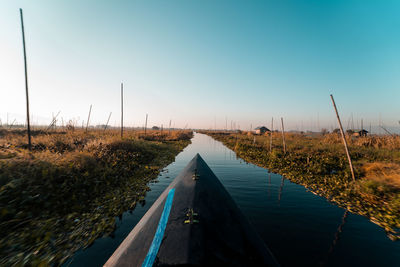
108 120
87 123
344 140
272 130
122 110
11 125
26 82
53 121
145 125
283 137
386 130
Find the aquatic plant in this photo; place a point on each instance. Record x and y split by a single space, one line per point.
318 163
69 190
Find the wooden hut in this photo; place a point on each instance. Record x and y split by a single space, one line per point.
361 133
261 130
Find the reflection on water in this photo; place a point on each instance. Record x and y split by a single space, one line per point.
280 190
298 228
336 239
269 185
338 232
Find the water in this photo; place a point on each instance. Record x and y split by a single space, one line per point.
300 228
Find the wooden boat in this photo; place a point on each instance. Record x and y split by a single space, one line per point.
194 222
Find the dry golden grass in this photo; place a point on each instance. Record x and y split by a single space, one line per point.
319 162
66 192
388 173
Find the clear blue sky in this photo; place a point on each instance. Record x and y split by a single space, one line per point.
197 61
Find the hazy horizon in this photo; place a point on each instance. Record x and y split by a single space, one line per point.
203 64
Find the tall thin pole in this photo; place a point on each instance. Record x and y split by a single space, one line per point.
87 123
26 82
122 110
145 125
283 137
169 128
272 130
108 120
344 140
53 121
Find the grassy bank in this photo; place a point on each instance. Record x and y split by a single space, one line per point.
319 163
67 192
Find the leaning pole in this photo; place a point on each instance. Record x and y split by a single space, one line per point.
26 82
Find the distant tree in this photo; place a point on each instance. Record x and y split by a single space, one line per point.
155 128
336 131
349 132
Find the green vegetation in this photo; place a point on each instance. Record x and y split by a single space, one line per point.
319 163
69 189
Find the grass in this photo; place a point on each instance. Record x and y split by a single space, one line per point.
67 192
319 163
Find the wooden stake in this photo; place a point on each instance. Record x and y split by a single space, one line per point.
283 137
169 128
53 121
87 123
108 120
344 140
145 125
26 82
387 131
122 110
12 123
272 130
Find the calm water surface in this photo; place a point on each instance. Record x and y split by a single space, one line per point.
300 228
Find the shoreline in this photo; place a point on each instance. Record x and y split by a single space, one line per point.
69 190
319 174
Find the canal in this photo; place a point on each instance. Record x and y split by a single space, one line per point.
300 228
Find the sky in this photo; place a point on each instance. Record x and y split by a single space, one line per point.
203 64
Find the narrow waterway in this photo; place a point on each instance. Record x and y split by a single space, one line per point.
300 228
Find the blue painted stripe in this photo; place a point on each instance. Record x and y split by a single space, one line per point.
155 245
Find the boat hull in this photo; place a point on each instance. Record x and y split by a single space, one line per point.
203 227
